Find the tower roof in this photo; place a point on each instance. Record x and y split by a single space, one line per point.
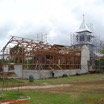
83 27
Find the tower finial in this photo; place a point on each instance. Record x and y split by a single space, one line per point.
83 26
83 17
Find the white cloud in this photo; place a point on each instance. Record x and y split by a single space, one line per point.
57 18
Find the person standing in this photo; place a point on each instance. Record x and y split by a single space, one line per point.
52 74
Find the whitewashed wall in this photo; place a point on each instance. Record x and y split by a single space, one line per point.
18 70
85 57
38 74
47 73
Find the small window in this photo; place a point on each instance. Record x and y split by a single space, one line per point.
88 38
82 38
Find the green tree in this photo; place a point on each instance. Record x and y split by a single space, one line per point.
102 51
101 61
16 53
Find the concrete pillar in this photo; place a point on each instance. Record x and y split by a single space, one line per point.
85 57
5 68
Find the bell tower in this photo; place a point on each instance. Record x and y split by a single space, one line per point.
84 34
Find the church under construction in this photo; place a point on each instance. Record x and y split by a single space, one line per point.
41 60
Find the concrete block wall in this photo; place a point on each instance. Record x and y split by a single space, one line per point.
18 70
38 74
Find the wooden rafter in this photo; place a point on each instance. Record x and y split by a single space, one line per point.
45 55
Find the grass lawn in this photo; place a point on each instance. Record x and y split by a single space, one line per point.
84 89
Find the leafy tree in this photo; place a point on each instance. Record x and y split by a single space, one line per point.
102 51
16 53
101 61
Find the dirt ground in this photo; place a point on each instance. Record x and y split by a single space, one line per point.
89 86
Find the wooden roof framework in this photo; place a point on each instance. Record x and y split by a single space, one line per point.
38 55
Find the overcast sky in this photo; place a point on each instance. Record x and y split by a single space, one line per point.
56 18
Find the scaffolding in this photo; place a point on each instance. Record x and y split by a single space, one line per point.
73 39
42 37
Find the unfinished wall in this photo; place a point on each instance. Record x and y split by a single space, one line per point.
37 74
39 59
